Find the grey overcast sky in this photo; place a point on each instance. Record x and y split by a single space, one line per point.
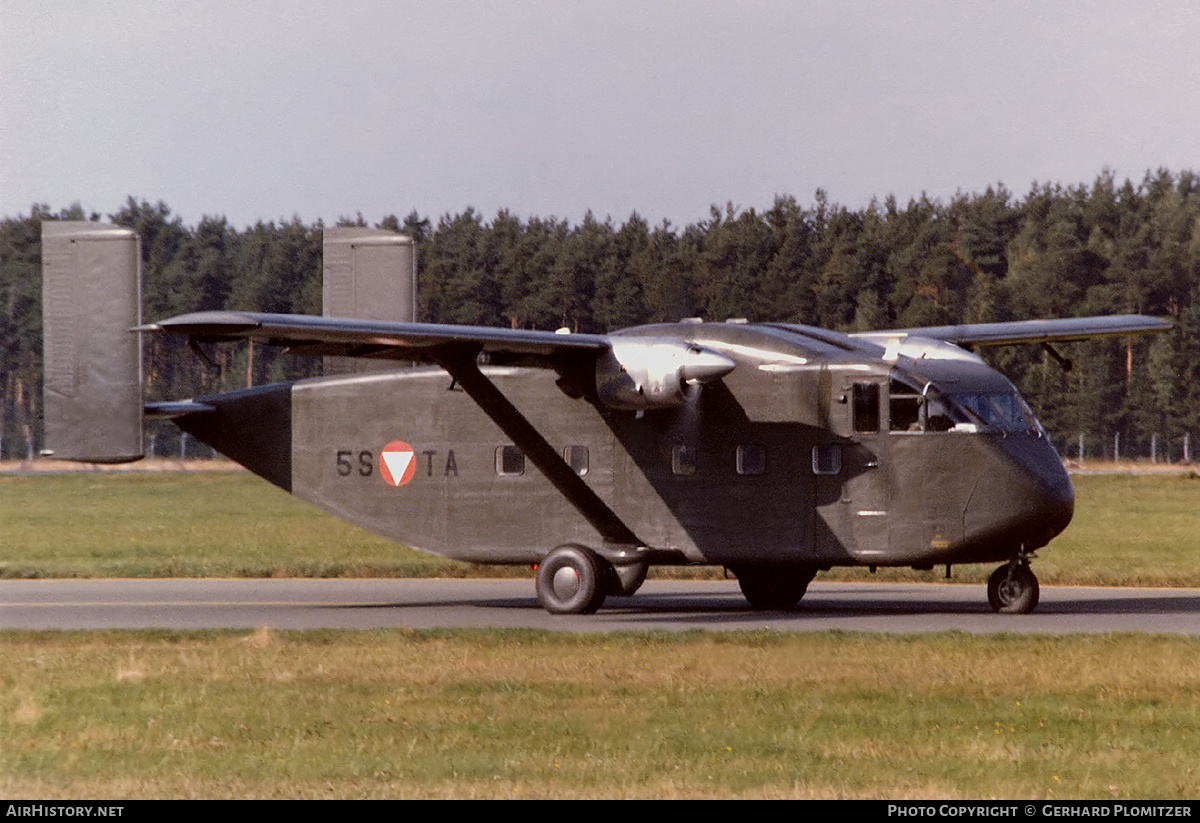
322 109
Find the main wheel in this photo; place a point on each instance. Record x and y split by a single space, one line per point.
572 580
774 588
1013 589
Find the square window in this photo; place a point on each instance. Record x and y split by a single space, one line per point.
827 458
510 461
751 459
577 458
683 460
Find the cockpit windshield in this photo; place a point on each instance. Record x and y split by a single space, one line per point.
1003 411
929 409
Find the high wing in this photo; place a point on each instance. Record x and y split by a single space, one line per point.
424 342
1028 331
413 342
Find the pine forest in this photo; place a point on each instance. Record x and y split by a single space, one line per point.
1108 247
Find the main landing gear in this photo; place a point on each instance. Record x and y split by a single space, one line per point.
1013 588
773 588
575 580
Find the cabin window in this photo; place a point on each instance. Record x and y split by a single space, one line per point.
827 458
683 460
751 459
510 461
866 407
577 458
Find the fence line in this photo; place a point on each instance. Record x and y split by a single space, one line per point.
1153 447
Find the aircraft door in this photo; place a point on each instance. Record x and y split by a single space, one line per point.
852 469
933 471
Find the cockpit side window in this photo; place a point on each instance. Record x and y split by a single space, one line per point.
921 409
904 407
940 415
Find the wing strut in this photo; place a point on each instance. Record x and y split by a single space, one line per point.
547 459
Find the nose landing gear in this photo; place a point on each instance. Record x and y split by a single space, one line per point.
1013 588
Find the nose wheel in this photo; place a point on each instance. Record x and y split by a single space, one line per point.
1013 589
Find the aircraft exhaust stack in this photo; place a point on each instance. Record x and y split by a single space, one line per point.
91 299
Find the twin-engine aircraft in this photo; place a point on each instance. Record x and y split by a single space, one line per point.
775 450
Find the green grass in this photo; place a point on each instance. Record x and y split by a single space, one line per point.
167 524
1128 530
523 714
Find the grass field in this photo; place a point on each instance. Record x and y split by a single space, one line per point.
1129 529
185 524
530 715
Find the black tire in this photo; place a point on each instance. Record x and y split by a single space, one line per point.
774 588
1013 589
572 580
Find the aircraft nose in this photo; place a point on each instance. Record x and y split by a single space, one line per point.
1024 495
1048 502
1057 498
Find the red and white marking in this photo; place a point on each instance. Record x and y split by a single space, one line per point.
397 463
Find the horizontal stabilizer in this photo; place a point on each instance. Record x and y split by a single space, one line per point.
177 408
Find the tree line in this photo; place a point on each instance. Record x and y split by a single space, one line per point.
1108 247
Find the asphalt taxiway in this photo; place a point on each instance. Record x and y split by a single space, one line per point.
673 605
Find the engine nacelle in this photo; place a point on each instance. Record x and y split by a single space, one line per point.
653 373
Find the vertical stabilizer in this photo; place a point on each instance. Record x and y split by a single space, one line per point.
91 298
368 274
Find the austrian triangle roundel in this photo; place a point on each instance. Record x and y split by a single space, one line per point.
397 463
